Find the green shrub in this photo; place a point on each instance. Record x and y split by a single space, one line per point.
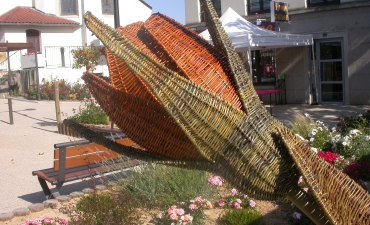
89 113
105 209
242 217
360 121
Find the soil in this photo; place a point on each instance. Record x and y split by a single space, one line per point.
273 214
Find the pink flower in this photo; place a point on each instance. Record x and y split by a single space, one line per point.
297 215
231 203
172 210
173 217
234 191
252 203
199 199
237 206
193 206
48 220
221 203
180 212
305 190
215 180
245 196
300 180
239 201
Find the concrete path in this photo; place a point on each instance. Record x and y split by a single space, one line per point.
28 144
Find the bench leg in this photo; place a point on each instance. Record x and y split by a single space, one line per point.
56 193
45 188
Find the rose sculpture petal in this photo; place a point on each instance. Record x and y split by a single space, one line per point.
192 105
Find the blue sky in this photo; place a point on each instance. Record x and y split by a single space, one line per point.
172 8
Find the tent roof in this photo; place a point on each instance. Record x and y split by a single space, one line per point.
244 34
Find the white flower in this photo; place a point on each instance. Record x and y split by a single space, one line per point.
319 128
307 115
333 129
354 132
312 139
367 137
312 133
299 136
346 139
314 149
344 143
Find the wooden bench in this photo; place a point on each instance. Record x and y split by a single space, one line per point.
81 159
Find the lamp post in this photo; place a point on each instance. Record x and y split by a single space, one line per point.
116 13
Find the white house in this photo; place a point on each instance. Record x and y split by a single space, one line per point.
57 27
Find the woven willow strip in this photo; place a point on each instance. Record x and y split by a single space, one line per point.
244 144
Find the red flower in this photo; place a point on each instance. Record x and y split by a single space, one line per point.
328 156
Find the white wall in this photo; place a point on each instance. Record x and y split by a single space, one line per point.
8 5
192 11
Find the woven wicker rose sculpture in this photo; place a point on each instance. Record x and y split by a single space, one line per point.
192 105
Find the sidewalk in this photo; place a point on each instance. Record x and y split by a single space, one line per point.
28 144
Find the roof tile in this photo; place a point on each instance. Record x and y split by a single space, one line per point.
29 15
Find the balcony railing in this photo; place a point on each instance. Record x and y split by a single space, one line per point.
59 56
15 62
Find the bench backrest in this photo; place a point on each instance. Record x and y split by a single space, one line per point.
83 154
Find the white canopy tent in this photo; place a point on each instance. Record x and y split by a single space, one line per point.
247 36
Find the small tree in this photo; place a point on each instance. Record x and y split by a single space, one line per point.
88 57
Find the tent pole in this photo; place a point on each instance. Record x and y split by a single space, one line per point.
9 72
315 77
250 63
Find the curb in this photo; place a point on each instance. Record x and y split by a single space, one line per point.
50 203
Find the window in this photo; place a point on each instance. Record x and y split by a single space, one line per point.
217 6
33 36
107 7
68 7
322 2
259 6
264 68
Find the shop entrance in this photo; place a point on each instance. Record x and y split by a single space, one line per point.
329 54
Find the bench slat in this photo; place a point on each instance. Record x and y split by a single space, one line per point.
51 176
78 155
79 150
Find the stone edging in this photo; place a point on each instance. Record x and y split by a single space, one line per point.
50 203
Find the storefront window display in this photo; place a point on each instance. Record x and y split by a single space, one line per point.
264 68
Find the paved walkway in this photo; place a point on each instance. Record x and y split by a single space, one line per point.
28 144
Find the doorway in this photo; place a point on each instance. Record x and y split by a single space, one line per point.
330 63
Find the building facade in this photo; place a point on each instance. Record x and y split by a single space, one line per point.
334 70
57 27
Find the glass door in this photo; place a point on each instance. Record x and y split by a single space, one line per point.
329 54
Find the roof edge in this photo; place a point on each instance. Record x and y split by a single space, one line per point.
41 24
